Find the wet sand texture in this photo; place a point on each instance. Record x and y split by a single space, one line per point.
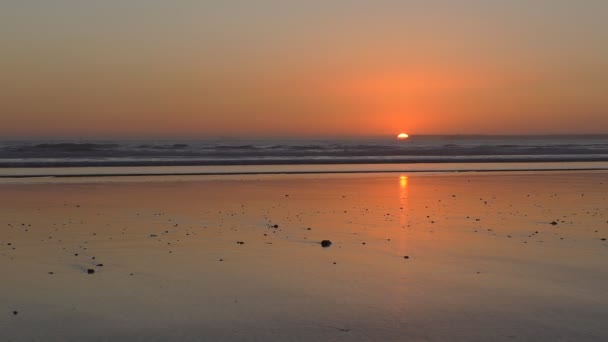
474 257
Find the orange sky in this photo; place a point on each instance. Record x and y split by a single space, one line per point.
280 68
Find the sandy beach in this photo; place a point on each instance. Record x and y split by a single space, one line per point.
502 256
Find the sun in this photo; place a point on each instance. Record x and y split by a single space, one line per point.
403 136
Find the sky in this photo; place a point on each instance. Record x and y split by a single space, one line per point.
199 69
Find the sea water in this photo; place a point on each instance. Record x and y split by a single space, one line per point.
231 155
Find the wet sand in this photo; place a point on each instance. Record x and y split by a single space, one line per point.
414 257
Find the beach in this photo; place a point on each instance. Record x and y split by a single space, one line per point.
425 256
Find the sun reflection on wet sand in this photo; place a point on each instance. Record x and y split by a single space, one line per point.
403 196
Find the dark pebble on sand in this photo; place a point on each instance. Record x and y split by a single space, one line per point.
406 257
325 243
554 223
90 271
603 239
99 265
275 226
15 313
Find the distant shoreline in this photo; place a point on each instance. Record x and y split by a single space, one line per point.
234 170
290 161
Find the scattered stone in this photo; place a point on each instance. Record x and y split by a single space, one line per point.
99 265
275 226
240 242
406 257
554 223
325 243
15 313
90 271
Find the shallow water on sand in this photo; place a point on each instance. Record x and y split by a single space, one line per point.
485 262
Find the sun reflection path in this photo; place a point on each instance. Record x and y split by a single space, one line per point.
403 192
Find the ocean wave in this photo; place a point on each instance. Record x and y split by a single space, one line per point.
209 152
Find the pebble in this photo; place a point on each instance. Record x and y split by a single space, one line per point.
326 243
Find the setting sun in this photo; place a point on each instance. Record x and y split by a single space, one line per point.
402 136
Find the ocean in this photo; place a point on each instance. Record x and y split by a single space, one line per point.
278 155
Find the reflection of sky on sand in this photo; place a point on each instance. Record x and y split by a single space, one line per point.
465 279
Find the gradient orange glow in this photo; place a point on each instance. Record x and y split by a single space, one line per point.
249 69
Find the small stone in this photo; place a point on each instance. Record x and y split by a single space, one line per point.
90 271
99 265
15 313
275 226
406 257
325 243
554 223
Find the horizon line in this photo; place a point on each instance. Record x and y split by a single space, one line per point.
298 137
